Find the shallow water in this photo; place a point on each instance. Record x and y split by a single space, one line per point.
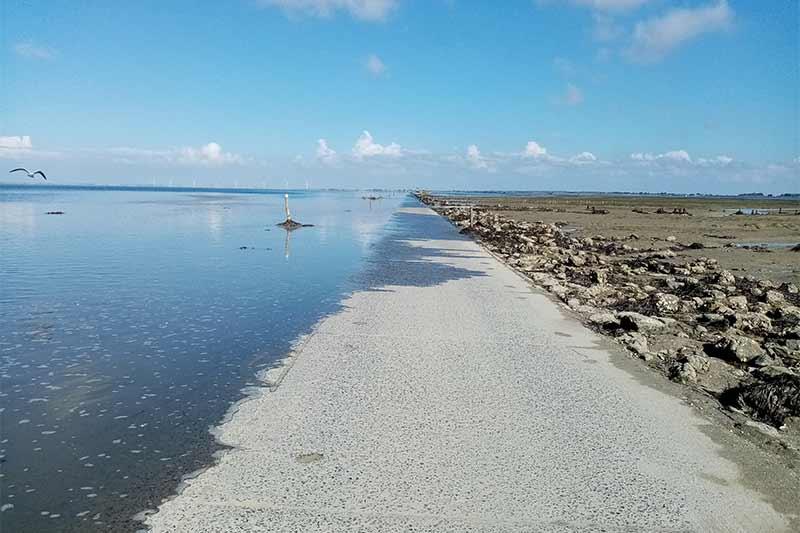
129 324
767 245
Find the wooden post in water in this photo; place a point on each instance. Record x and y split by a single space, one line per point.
286 207
471 216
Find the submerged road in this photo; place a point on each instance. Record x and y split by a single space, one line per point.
449 396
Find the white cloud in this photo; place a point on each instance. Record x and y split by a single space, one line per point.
572 95
655 38
13 147
366 147
584 158
611 5
535 150
375 66
33 51
19 142
210 154
601 5
325 153
682 157
677 155
720 160
369 10
475 159
673 155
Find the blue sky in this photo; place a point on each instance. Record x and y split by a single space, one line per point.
695 95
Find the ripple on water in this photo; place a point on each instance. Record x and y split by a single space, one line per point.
132 326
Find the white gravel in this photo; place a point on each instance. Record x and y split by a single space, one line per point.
469 404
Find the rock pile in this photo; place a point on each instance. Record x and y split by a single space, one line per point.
736 337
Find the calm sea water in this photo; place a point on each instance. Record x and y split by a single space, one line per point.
129 324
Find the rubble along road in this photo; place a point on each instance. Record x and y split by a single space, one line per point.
450 396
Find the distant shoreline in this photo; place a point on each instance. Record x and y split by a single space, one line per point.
443 192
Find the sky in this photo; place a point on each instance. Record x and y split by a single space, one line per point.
600 95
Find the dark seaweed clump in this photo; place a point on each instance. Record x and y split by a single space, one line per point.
770 400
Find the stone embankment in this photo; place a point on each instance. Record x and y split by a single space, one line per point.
734 337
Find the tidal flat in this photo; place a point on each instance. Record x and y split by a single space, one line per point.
757 241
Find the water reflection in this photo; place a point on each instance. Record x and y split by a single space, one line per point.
215 219
130 324
18 217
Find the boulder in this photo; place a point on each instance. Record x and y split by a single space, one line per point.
586 309
605 320
725 277
636 342
599 276
717 295
576 260
573 303
665 303
738 303
559 290
735 348
773 298
753 322
699 362
762 361
791 288
713 319
683 373
633 321
788 315
673 285
768 372
540 278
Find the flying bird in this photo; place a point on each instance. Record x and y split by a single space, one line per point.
28 172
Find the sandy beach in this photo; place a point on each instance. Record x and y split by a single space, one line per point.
451 395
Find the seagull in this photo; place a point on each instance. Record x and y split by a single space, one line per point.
29 173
